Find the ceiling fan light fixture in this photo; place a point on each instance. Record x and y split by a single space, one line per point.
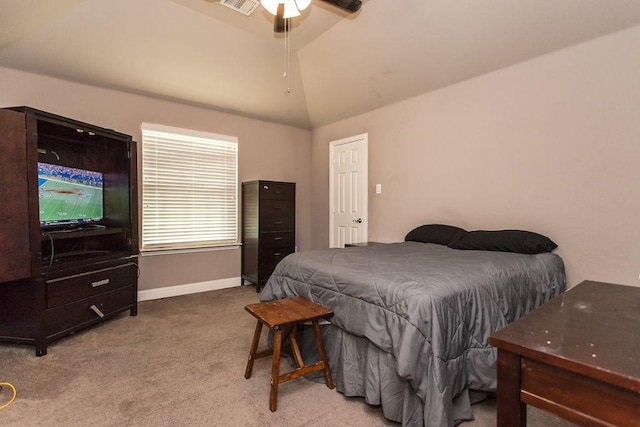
302 4
292 8
270 5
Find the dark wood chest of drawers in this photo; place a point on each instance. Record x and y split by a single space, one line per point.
42 309
268 227
83 296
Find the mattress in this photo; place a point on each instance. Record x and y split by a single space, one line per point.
425 310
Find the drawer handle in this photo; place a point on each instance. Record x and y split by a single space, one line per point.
277 254
277 222
97 311
277 238
99 283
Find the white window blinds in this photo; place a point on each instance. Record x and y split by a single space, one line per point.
189 188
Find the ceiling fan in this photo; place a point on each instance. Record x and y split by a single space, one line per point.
284 9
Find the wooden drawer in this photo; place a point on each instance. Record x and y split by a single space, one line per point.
278 239
545 386
277 215
277 190
268 261
71 317
272 256
68 289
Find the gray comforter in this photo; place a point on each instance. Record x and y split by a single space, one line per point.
429 307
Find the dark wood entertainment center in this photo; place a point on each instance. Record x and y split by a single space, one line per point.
56 281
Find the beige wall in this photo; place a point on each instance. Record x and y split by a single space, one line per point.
550 145
266 151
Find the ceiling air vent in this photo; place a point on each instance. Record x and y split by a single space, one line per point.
246 7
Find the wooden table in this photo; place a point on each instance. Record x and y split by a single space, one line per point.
577 356
283 317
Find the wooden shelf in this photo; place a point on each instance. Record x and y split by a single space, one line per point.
80 233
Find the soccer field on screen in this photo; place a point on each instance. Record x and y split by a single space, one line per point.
62 200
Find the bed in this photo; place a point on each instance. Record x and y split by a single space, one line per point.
412 319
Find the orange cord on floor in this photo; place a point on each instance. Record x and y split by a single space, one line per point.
13 389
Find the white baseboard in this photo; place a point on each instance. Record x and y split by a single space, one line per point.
189 288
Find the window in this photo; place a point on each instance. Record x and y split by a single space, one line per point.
189 189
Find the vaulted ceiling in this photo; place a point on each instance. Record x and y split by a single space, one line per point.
202 53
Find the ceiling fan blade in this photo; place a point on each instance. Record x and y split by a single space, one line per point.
278 20
350 6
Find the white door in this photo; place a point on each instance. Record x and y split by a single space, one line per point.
348 190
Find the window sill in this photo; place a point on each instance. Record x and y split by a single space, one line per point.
155 252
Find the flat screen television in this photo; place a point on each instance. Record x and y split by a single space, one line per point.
69 197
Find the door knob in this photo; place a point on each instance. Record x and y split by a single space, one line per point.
359 220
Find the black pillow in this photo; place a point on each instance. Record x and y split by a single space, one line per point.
519 241
435 233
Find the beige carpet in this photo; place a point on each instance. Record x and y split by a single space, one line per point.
181 361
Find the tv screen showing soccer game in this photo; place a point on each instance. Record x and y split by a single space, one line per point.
69 196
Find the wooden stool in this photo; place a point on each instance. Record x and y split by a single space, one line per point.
283 317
